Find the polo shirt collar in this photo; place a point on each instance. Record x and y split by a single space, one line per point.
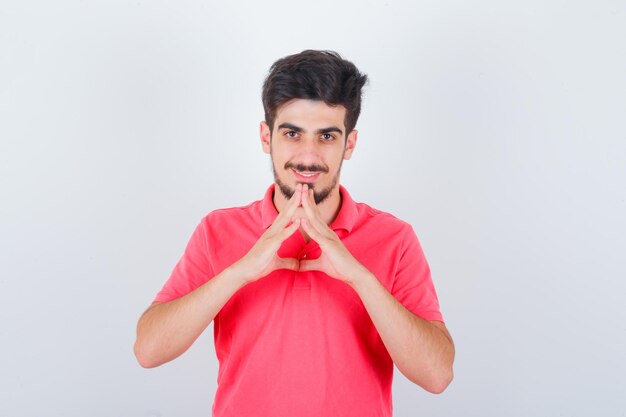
268 211
346 218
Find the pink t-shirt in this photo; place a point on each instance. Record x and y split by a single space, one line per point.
301 344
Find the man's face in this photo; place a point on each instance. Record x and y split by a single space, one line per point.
308 145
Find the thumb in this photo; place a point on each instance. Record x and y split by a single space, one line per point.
287 263
311 265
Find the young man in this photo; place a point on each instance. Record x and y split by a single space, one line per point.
314 297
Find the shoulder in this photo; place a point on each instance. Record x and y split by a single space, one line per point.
371 215
382 223
232 217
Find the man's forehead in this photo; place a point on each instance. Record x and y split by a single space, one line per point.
313 113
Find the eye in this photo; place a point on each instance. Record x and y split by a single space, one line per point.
291 134
328 137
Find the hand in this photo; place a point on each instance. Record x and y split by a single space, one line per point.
263 258
335 261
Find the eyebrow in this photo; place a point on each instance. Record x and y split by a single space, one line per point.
301 130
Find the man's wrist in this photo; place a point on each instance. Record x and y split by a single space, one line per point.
236 274
360 278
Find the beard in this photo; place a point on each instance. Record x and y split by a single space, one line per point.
319 195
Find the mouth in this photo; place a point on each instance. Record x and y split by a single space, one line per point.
305 176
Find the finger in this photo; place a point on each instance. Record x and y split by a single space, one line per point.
306 201
296 198
311 265
311 231
310 209
314 208
288 211
294 202
288 263
289 230
311 200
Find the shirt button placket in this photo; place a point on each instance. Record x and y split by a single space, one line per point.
302 280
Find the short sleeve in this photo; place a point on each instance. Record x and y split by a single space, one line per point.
192 270
413 285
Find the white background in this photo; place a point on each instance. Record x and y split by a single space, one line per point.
497 129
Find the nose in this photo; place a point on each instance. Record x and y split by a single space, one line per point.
308 152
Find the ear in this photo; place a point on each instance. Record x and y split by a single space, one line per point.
350 144
266 137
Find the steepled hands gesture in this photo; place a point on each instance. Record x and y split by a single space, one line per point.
263 258
335 260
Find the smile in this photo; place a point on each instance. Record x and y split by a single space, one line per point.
305 174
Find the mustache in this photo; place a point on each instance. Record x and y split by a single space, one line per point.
307 168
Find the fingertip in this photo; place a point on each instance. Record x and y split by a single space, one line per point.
287 263
308 265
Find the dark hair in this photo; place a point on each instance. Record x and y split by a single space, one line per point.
314 75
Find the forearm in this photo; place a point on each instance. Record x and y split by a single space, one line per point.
423 352
167 330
